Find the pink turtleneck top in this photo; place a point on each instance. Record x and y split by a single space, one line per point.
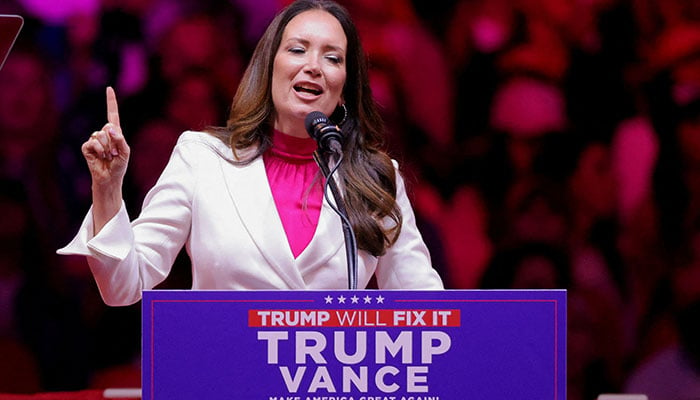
297 187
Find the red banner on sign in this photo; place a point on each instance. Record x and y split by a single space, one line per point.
354 318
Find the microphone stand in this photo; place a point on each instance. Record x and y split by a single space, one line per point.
322 160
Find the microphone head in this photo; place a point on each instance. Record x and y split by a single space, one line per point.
312 120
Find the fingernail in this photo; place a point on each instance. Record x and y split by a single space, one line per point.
115 152
112 132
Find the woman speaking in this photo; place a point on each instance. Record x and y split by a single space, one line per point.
247 200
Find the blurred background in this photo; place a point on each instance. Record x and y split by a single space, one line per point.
545 144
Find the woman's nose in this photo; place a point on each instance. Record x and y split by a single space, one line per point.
312 66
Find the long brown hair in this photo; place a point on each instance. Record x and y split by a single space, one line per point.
367 173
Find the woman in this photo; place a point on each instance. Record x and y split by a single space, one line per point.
246 199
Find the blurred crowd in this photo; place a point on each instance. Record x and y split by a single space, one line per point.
545 144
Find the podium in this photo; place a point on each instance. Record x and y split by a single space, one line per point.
359 345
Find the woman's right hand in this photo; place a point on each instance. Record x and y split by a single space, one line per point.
107 156
106 151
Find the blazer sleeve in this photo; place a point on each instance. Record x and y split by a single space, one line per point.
128 257
406 264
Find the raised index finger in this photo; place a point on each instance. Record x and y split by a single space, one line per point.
112 108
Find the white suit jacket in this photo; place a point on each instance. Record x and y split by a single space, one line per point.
226 217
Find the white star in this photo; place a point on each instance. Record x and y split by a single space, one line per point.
354 299
341 299
380 299
329 299
368 300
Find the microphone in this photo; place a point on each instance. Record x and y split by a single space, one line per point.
327 135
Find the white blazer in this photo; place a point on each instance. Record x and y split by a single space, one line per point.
226 217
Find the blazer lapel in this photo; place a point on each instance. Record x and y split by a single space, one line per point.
252 197
326 242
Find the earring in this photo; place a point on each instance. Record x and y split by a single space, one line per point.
345 114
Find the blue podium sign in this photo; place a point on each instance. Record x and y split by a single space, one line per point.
354 345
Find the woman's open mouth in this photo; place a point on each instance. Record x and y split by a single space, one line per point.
306 88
